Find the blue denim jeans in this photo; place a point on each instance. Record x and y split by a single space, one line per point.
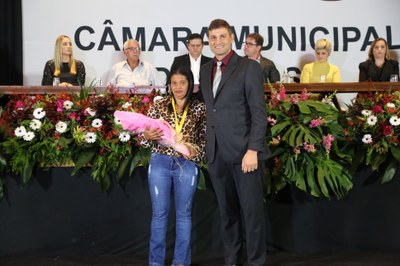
167 174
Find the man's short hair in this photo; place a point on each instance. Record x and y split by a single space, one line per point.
257 37
194 36
220 23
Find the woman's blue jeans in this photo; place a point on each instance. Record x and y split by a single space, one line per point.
167 174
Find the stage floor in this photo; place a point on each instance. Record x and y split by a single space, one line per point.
275 259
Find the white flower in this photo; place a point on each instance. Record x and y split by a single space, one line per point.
29 136
126 105
367 138
124 136
157 98
90 137
97 123
90 111
117 121
39 113
68 105
35 124
366 112
394 121
371 120
390 105
20 131
61 127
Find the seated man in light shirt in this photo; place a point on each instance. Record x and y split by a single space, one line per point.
133 71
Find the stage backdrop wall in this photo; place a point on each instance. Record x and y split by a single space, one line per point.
290 27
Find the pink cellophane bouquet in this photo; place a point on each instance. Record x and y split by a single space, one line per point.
137 122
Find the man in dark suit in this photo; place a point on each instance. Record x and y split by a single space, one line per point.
235 144
194 59
252 49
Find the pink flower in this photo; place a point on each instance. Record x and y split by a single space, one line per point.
60 105
74 116
282 94
304 95
316 122
327 141
271 120
19 104
294 98
296 150
309 147
145 99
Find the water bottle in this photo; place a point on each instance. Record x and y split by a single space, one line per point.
285 76
56 81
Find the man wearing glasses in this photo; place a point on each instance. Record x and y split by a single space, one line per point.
252 50
133 71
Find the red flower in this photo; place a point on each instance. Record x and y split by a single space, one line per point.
350 123
377 109
387 130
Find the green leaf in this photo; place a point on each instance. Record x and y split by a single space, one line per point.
202 181
322 107
389 172
292 137
279 127
123 169
378 160
290 169
27 170
3 160
105 182
310 174
395 150
304 109
288 132
299 178
300 137
309 138
321 173
84 158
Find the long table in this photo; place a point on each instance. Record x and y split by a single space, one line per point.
342 87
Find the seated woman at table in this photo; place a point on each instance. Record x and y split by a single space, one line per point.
379 66
64 66
320 70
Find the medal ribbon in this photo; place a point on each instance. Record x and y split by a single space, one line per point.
179 125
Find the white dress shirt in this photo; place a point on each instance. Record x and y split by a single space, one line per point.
195 67
123 75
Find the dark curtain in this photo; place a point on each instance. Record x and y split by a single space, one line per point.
10 42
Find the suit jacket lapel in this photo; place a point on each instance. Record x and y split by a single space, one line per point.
187 59
207 87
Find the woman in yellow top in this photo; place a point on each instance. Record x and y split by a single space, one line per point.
320 70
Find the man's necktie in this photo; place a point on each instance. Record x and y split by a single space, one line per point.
217 78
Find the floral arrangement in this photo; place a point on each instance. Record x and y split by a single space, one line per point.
305 137
373 126
71 130
314 146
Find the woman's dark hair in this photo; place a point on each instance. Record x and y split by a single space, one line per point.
185 71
